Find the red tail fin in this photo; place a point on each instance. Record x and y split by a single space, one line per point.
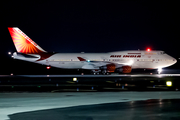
23 43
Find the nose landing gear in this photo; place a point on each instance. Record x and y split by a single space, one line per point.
159 70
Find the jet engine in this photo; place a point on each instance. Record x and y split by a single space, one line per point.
125 69
111 68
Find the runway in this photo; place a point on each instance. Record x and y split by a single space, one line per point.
43 97
90 106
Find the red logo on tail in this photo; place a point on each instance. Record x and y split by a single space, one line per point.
23 43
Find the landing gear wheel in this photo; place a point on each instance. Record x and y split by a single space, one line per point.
95 73
104 72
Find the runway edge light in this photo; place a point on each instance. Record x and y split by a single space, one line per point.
74 79
169 83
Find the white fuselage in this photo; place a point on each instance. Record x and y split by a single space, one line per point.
136 59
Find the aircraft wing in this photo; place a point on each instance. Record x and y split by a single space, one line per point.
97 64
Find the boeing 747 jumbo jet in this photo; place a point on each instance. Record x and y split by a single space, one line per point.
98 63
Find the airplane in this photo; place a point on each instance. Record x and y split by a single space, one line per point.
97 63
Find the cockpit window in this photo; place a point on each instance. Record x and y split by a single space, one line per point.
162 52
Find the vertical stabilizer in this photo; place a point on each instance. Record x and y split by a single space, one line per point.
23 43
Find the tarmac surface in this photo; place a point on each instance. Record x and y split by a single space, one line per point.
90 105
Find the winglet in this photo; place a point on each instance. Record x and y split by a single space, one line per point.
23 43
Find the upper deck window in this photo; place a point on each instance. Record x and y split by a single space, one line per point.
161 53
150 53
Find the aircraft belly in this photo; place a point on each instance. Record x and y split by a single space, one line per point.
145 65
67 64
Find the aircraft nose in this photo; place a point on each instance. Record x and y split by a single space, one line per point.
174 60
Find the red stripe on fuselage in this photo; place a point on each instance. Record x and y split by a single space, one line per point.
45 55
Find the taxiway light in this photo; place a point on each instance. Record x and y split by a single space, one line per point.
74 79
169 83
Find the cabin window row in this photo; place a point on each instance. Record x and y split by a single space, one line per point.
114 60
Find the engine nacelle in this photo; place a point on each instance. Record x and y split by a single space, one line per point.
126 69
110 68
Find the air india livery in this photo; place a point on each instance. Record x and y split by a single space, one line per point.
98 63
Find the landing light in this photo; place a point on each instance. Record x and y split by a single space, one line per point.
159 70
131 62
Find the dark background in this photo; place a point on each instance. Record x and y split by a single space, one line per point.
89 26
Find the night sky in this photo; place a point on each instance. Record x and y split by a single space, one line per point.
91 26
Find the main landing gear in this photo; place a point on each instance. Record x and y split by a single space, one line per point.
98 72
